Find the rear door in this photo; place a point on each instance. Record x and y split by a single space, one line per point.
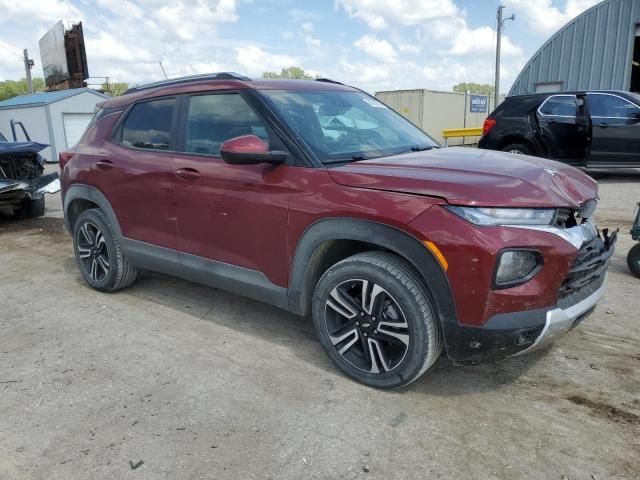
616 130
563 128
135 172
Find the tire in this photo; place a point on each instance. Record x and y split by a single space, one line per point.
31 208
633 260
98 253
392 350
518 149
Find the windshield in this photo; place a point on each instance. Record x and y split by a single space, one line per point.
345 126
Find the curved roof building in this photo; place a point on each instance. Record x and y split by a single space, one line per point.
598 50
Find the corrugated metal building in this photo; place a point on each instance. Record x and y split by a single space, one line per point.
598 50
57 118
434 111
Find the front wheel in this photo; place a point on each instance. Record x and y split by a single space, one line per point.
633 260
31 208
376 320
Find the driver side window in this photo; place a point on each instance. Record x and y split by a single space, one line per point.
213 119
611 108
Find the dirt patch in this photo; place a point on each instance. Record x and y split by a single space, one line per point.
605 410
52 228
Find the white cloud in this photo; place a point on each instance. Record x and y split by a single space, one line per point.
379 14
543 17
254 60
380 49
481 40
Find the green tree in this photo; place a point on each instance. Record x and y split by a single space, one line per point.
477 88
290 73
115 89
13 88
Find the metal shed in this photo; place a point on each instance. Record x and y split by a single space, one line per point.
57 118
598 50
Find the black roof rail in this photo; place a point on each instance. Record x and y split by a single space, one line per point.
328 80
189 79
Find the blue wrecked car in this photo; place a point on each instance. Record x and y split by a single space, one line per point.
22 183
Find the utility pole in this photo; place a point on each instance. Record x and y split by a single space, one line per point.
500 25
28 65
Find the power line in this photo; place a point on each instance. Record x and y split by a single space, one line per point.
10 50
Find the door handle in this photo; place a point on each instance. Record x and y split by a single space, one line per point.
104 164
187 174
603 125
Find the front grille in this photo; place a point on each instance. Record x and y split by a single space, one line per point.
587 273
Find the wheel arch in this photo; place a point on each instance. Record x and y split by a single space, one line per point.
521 139
313 256
81 197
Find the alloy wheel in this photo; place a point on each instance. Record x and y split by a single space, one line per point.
92 251
367 326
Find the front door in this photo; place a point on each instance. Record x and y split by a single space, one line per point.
616 130
564 129
234 214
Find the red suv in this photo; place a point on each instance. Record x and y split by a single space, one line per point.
316 198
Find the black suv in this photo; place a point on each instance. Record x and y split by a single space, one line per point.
589 129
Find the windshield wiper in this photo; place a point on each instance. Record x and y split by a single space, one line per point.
354 158
420 148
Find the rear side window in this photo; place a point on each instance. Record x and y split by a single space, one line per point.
148 125
213 119
560 106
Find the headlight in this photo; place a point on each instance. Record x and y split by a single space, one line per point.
515 267
505 216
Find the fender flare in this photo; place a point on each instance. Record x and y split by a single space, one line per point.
92 194
382 235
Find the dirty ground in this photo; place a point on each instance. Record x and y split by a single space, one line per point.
173 380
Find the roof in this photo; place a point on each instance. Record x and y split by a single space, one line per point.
45 98
191 85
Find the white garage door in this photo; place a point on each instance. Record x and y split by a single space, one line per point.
74 126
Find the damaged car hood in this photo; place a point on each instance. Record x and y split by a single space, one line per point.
21 147
466 176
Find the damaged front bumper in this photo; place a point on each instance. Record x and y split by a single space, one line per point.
519 333
33 188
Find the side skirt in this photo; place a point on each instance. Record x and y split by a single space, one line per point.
220 275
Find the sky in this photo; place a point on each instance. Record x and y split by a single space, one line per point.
373 44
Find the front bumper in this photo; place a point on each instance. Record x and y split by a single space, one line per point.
518 333
559 321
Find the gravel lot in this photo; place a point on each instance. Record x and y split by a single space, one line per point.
200 384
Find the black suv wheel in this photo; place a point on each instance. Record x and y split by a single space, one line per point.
98 253
518 149
376 321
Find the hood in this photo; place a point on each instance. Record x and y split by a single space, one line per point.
21 147
468 176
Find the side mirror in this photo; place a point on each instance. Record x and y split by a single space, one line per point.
249 150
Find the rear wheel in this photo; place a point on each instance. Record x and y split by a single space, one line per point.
98 253
633 260
518 149
376 320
